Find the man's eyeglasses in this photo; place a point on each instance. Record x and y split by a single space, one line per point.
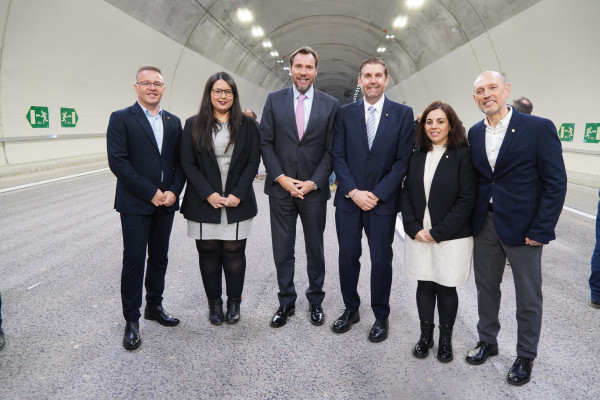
145 84
219 92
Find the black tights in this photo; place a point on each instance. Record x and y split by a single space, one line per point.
447 301
218 256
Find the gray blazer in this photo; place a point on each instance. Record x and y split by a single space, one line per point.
284 153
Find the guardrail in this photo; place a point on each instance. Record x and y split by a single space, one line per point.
52 137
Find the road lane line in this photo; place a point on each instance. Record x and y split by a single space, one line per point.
62 178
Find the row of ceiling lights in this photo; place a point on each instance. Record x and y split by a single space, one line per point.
245 16
400 22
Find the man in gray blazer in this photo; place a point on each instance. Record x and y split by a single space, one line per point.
296 131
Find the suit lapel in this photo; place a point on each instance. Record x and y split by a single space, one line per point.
143 121
511 133
478 147
383 123
288 103
361 123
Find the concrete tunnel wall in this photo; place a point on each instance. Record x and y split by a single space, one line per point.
84 54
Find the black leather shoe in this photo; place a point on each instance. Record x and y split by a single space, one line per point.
131 337
233 310
425 342
379 331
158 314
345 321
2 340
317 317
481 352
215 311
520 372
281 316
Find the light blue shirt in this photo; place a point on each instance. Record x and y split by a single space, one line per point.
157 125
310 95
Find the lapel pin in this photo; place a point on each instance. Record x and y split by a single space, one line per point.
386 115
168 117
446 155
513 129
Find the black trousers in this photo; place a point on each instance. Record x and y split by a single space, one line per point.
143 233
284 214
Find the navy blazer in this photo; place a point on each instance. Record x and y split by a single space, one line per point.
451 196
529 183
308 159
379 170
204 176
134 158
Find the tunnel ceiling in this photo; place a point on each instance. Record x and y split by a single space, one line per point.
343 32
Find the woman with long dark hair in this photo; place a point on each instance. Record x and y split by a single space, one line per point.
220 154
437 202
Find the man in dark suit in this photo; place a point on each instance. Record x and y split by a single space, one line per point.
143 153
522 187
373 141
296 132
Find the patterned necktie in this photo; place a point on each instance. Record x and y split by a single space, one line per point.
371 126
300 116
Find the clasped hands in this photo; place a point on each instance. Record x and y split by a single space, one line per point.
423 236
295 187
364 199
161 198
218 201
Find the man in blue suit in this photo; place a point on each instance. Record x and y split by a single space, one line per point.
522 187
143 152
296 130
373 141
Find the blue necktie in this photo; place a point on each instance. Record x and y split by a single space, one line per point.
371 126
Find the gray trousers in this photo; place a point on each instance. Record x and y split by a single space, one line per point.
489 259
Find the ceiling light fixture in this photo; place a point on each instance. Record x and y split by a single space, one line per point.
267 45
244 15
274 54
414 3
401 21
257 31
381 49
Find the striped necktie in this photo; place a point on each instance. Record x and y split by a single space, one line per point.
371 126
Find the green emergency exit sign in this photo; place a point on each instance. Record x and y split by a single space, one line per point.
68 117
566 132
38 117
592 133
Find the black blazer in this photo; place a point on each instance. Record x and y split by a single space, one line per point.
134 158
284 153
204 177
451 197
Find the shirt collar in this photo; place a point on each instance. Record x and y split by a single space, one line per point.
378 106
503 122
147 112
309 93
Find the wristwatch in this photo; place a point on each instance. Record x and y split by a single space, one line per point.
315 187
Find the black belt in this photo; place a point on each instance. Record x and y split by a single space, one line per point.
491 207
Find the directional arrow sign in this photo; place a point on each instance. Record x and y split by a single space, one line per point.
566 132
68 117
38 117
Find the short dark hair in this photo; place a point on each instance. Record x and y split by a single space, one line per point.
523 105
305 50
374 60
457 136
147 68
